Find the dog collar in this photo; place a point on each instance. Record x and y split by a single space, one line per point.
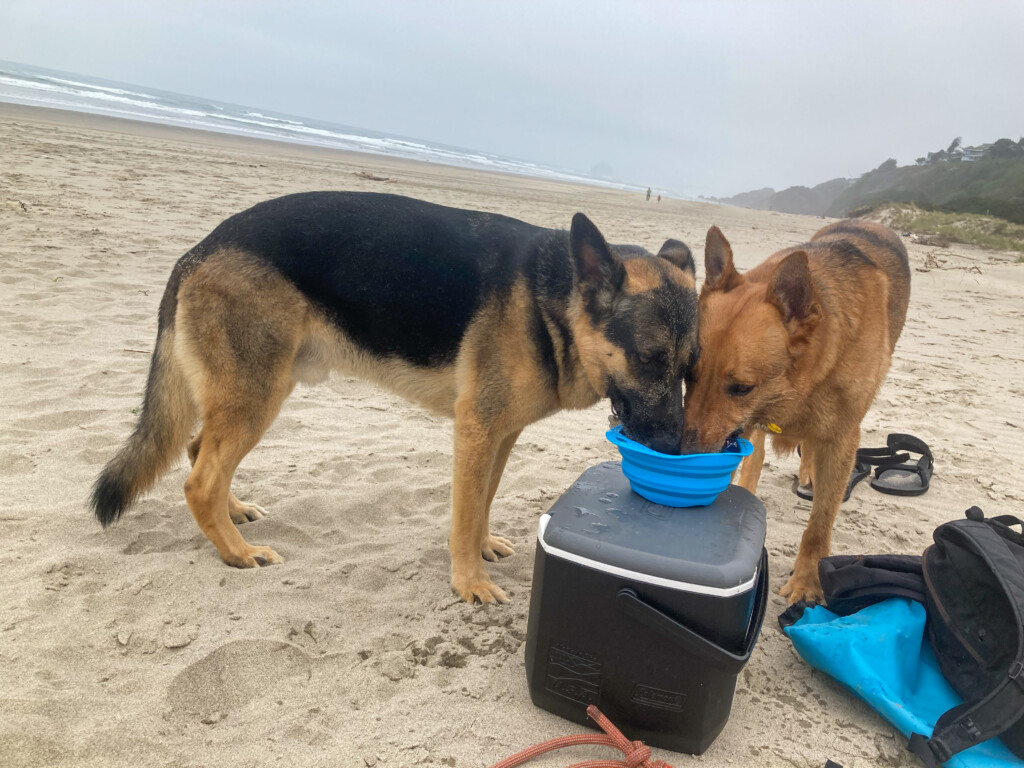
774 428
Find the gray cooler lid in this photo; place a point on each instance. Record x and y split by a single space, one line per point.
601 523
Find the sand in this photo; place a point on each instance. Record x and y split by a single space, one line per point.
138 646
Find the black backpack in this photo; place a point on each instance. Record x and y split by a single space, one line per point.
971 581
974 588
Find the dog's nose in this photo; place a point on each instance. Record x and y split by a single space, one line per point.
696 441
666 442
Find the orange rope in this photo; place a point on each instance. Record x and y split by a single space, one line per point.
638 755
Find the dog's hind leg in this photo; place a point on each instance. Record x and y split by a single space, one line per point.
496 547
750 470
232 426
239 511
239 328
833 461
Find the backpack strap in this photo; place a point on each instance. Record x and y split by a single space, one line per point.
981 719
974 722
1003 526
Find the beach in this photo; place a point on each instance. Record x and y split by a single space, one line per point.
138 646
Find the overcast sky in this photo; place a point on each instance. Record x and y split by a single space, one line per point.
700 97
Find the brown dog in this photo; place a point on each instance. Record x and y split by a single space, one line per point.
798 346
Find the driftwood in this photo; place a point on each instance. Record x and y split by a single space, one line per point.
931 261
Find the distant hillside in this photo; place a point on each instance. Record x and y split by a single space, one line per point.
758 198
810 200
987 180
991 186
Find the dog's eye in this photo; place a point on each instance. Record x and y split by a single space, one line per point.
739 390
654 359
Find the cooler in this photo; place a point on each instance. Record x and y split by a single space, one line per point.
648 612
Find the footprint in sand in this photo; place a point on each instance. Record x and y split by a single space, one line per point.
235 674
147 542
59 420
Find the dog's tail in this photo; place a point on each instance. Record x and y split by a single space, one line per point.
167 416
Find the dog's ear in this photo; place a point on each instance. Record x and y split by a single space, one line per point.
675 252
601 273
719 272
791 289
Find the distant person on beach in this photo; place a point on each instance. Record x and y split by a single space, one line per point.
648 194
659 198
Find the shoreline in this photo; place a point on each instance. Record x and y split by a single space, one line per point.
276 147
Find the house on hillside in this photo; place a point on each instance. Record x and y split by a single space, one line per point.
970 154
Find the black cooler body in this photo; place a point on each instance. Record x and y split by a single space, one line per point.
648 612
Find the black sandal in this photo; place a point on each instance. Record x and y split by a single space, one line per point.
859 472
896 473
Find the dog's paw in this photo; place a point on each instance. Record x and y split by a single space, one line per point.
805 587
496 547
477 586
244 513
253 557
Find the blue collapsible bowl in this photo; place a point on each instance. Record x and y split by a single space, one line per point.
693 480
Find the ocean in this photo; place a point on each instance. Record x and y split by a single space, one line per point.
35 86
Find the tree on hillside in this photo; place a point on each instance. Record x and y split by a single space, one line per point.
921 160
1004 148
888 165
954 145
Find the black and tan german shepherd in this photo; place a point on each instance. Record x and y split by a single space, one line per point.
476 316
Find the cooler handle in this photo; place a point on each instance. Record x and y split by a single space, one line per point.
631 604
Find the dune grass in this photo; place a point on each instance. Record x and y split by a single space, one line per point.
971 228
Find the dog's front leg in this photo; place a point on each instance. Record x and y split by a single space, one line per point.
476 449
497 547
805 475
833 461
750 469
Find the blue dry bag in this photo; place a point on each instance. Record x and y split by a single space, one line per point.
882 655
